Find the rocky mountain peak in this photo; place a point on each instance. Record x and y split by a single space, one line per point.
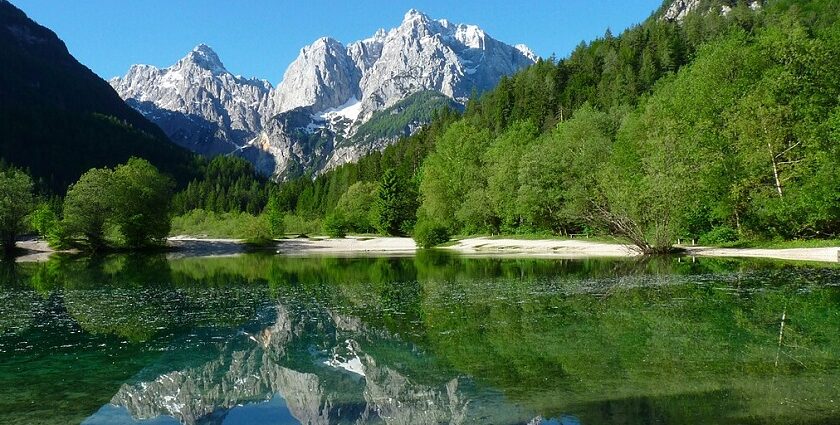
205 58
414 14
327 93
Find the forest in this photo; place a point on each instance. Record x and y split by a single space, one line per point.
720 128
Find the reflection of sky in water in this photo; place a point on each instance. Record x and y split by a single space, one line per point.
271 412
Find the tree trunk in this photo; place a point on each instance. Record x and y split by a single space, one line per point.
775 170
8 242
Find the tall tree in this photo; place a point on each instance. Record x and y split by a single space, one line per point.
394 205
16 202
141 203
88 206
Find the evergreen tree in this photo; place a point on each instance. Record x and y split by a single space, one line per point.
394 205
274 214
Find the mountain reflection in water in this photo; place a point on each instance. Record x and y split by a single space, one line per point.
427 339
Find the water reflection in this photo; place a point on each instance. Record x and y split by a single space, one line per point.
431 339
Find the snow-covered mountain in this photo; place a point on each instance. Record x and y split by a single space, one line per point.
197 102
310 120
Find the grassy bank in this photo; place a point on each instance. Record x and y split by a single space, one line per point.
237 225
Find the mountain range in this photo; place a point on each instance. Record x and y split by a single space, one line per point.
335 103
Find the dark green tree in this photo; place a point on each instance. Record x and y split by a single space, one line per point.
88 206
394 205
141 203
274 215
16 203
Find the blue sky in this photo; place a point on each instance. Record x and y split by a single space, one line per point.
259 38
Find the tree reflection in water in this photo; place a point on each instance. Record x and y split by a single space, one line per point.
424 339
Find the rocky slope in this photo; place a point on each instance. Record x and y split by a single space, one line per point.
197 102
679 9
327 93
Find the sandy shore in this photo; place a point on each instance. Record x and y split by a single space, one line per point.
570 248
37 250
827 255
187 246
349 245
583 249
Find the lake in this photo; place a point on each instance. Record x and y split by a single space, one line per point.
429 339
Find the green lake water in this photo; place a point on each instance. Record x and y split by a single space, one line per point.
429 339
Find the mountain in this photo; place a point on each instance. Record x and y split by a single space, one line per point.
310 121
58 119
197 102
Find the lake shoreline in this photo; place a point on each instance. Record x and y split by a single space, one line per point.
188 246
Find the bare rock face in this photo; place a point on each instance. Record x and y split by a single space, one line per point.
197 102
202 106
323 76
679 9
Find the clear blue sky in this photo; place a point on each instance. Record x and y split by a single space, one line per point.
259 38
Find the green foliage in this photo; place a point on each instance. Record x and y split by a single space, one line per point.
44 219
142 202
356 206
88 205
227 184
132 200
336 225
274 215
298 225
16 203
258 231
719 235
394 205
451 172
237 225
428 234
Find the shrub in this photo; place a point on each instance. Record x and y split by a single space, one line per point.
296 224
428 234
719 235
258 230
335 225
239 225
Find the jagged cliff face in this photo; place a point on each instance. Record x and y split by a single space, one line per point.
314 362
420 54
201 105
679 9
197 101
